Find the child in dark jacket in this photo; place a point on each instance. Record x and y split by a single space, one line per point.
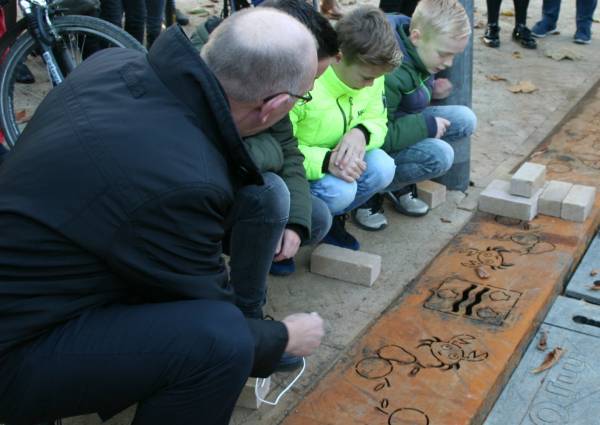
419 135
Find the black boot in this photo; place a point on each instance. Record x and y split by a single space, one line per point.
181 18
522 35
23 75
491 38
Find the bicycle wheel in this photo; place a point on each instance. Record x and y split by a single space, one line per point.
80 36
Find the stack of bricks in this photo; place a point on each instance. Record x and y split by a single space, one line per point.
528 193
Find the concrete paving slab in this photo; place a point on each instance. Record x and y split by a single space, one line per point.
579 285
575 315
566 394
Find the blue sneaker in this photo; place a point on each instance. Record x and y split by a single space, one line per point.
581 38
338 235
283 267
543 28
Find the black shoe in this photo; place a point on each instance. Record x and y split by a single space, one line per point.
522 35
288 363
338 235
23 75
491 38
181 18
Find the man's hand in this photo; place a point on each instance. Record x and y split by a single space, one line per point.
442 126
288 246
351 147
305 332
442 87
351 172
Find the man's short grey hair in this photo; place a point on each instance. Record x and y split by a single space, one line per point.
259 52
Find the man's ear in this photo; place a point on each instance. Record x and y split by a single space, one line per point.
415 36
272 105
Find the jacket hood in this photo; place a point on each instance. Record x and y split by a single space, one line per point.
182 70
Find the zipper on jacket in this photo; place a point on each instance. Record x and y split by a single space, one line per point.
350 100
343 113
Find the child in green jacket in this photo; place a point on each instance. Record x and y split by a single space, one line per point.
341 130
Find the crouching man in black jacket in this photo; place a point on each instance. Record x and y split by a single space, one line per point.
112 210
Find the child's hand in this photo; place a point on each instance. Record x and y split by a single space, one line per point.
442 87
442 127
350 172
351 146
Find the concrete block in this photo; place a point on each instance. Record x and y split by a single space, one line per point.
581 281
575 315
344 264
528 179
432 193
248 398
496 199
551 199
578 203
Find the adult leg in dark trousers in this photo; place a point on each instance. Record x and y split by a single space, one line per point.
258 219
183 363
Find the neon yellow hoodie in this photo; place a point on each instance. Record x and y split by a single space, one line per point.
335 109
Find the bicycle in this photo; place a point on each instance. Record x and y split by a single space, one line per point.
51 44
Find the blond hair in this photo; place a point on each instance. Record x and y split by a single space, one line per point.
366 37
441 18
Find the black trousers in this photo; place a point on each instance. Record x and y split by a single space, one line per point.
182 362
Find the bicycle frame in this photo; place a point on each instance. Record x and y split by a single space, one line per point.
37 15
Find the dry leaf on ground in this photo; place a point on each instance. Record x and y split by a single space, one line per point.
445 220
543 341
594 272
200 11
550 360
479 25
21 116
494 77
523 87
508 12
595 286
560 53
517 55
482 273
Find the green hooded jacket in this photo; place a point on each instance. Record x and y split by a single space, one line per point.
276 150
334 110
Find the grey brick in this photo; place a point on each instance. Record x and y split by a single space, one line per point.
432 193
496 199
578 203
344 264
551 199
528 179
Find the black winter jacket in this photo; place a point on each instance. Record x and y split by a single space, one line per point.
118 191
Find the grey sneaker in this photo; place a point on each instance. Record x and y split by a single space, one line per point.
408 203
369 216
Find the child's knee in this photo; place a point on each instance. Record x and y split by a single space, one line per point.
467 118
336 193
381 168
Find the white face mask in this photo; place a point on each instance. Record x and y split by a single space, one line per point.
260 383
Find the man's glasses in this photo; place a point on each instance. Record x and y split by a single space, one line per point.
302 100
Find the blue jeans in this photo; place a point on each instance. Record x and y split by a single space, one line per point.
431 158
584 14
341 196
257 220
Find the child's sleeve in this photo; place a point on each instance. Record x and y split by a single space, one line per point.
375 116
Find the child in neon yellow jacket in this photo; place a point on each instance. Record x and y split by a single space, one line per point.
340 132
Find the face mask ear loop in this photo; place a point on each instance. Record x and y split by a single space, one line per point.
260 382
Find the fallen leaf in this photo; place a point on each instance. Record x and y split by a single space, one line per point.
517 55
21 116
550 360
542 344
481 273
594 272
494 77
479 25
445 220
200 11
523 87
508 12
560 53
540 152
595 286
